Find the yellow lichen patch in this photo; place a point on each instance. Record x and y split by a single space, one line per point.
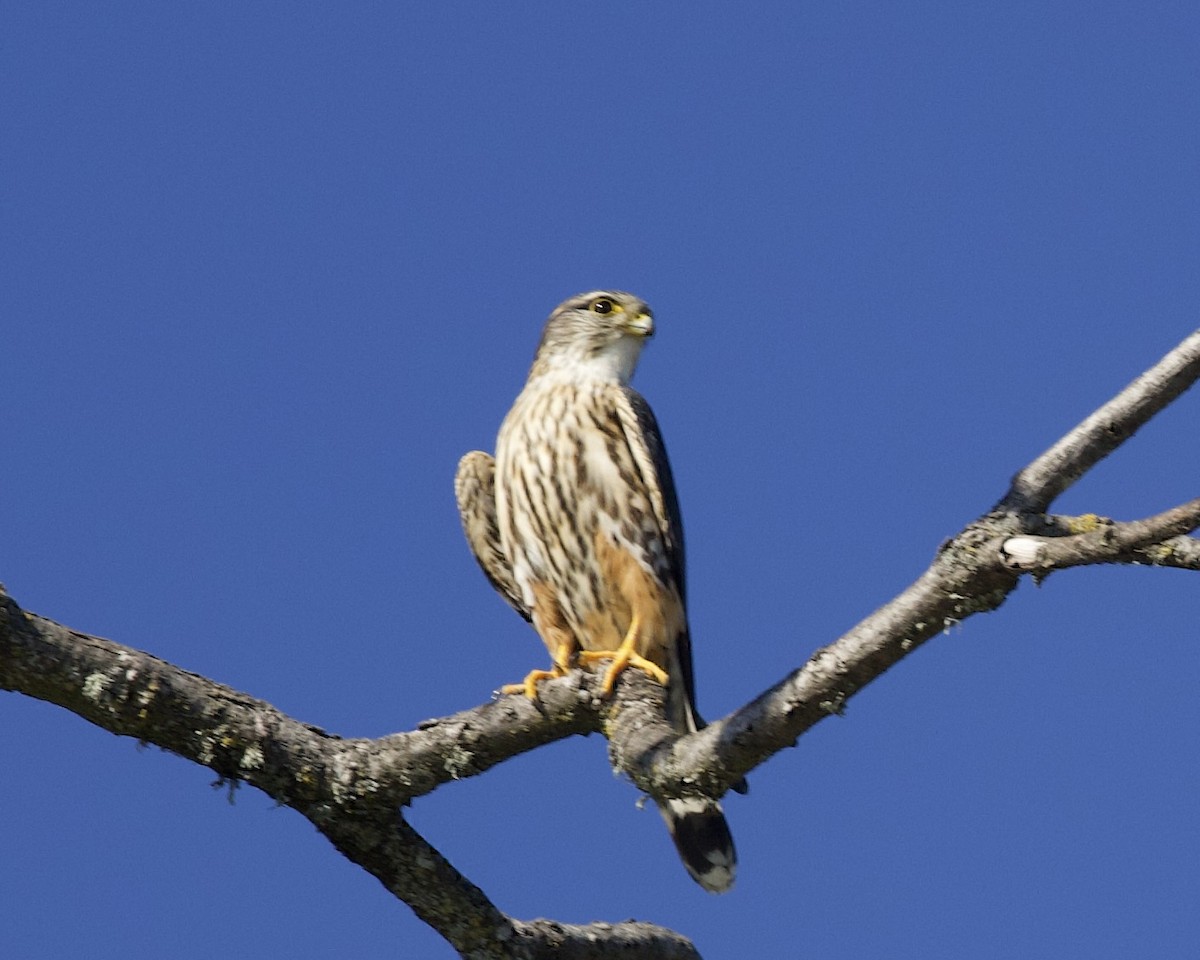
1086 523
1158 552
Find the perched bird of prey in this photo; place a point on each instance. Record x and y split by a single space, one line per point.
575 522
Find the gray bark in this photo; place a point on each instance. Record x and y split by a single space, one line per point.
353 790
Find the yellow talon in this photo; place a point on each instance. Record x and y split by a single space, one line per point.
621 659
624 656
528 686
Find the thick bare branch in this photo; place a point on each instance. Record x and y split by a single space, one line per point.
391 850
132 693
1037 486
596 941
350 789
966 577
407 765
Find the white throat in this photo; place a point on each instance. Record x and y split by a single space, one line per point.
614 364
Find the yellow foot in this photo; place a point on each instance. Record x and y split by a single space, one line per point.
620 660
528 686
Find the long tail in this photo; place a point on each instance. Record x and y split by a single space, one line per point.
697 826
703 840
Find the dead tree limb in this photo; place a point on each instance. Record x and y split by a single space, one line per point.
353 790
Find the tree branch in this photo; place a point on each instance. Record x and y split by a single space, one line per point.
352 789
967 577
1157 540
1040 483
404 862
971 574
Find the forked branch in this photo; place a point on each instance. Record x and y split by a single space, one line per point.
352 790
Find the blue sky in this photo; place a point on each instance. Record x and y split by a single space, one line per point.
269 269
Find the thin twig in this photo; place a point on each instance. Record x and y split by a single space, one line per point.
1158 539
1040 483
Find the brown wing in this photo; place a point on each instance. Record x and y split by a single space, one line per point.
650 453
475 491
698 827
650 456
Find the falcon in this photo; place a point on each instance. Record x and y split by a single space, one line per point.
576 524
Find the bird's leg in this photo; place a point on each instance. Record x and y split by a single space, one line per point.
624 656
563 654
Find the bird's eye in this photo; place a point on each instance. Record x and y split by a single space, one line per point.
602 305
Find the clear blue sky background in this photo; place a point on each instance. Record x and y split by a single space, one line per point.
268 269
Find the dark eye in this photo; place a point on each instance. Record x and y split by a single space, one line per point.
602 305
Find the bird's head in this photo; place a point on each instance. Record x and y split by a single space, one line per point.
596 335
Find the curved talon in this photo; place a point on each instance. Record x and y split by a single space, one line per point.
528 686
622 659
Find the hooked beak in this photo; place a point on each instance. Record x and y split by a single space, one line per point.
641 326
